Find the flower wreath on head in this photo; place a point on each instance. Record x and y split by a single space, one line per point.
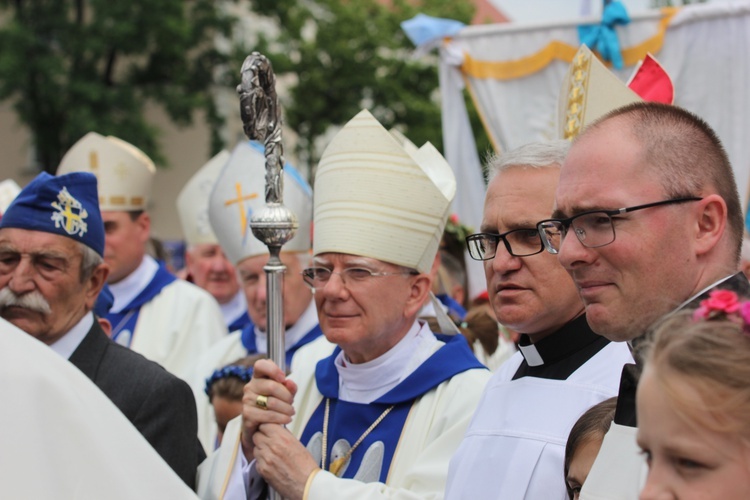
459 231
240 372
724 305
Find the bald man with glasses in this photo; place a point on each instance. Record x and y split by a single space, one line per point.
679 238
513 449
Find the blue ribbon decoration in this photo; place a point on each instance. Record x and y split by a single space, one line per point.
603 37
423 29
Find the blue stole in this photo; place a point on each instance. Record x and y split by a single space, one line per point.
453 306
240 322
123 322
248 341
348 421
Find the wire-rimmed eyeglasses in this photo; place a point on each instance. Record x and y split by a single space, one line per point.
317 277
518 242
594 228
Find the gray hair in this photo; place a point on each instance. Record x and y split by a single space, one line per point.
535 154
90 260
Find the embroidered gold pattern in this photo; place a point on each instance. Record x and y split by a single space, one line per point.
577 85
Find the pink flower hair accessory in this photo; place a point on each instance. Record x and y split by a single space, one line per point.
724 305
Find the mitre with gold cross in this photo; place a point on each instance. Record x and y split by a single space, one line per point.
124 173
239 191
192 202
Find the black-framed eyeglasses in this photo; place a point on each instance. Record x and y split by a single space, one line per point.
317 277
519 243
594 228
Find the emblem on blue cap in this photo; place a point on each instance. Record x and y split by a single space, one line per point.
70 213
67 205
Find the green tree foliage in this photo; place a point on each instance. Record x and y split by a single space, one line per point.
350 54
73 66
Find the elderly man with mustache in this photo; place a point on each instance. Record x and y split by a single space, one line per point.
51 272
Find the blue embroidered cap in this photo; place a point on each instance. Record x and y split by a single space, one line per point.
67 205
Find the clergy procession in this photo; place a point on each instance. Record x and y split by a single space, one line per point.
320 340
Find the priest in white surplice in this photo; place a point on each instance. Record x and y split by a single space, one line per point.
382 415
515 445
157 315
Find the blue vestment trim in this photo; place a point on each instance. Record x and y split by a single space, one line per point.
451 359
240 322
347 421
247 337
126 319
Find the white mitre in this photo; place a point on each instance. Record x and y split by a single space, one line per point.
192 202
376 199
589 91
124 173
9 189
239 192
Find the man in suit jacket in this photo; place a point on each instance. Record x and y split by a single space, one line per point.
51 272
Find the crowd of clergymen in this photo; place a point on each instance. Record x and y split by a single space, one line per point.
383 395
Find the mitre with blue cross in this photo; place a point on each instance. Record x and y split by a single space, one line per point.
378 199
192 202
66 205
239 192
124 172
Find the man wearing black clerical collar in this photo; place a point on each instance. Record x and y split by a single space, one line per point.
660 178
515 444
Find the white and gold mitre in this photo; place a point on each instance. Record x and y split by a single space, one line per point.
375 199
239 192
589 91
123 172
192 202
9 189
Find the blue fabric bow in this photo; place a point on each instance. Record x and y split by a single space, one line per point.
603 37
422 29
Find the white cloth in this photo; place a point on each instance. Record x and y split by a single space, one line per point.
62 438
703 50
433 430
176 326
366 382
515 444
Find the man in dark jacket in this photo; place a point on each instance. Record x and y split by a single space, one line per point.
51 272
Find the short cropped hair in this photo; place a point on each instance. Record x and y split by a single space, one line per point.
535 154
687 154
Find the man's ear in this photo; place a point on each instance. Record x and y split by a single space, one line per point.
144 224
95 283
711 223
420 289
